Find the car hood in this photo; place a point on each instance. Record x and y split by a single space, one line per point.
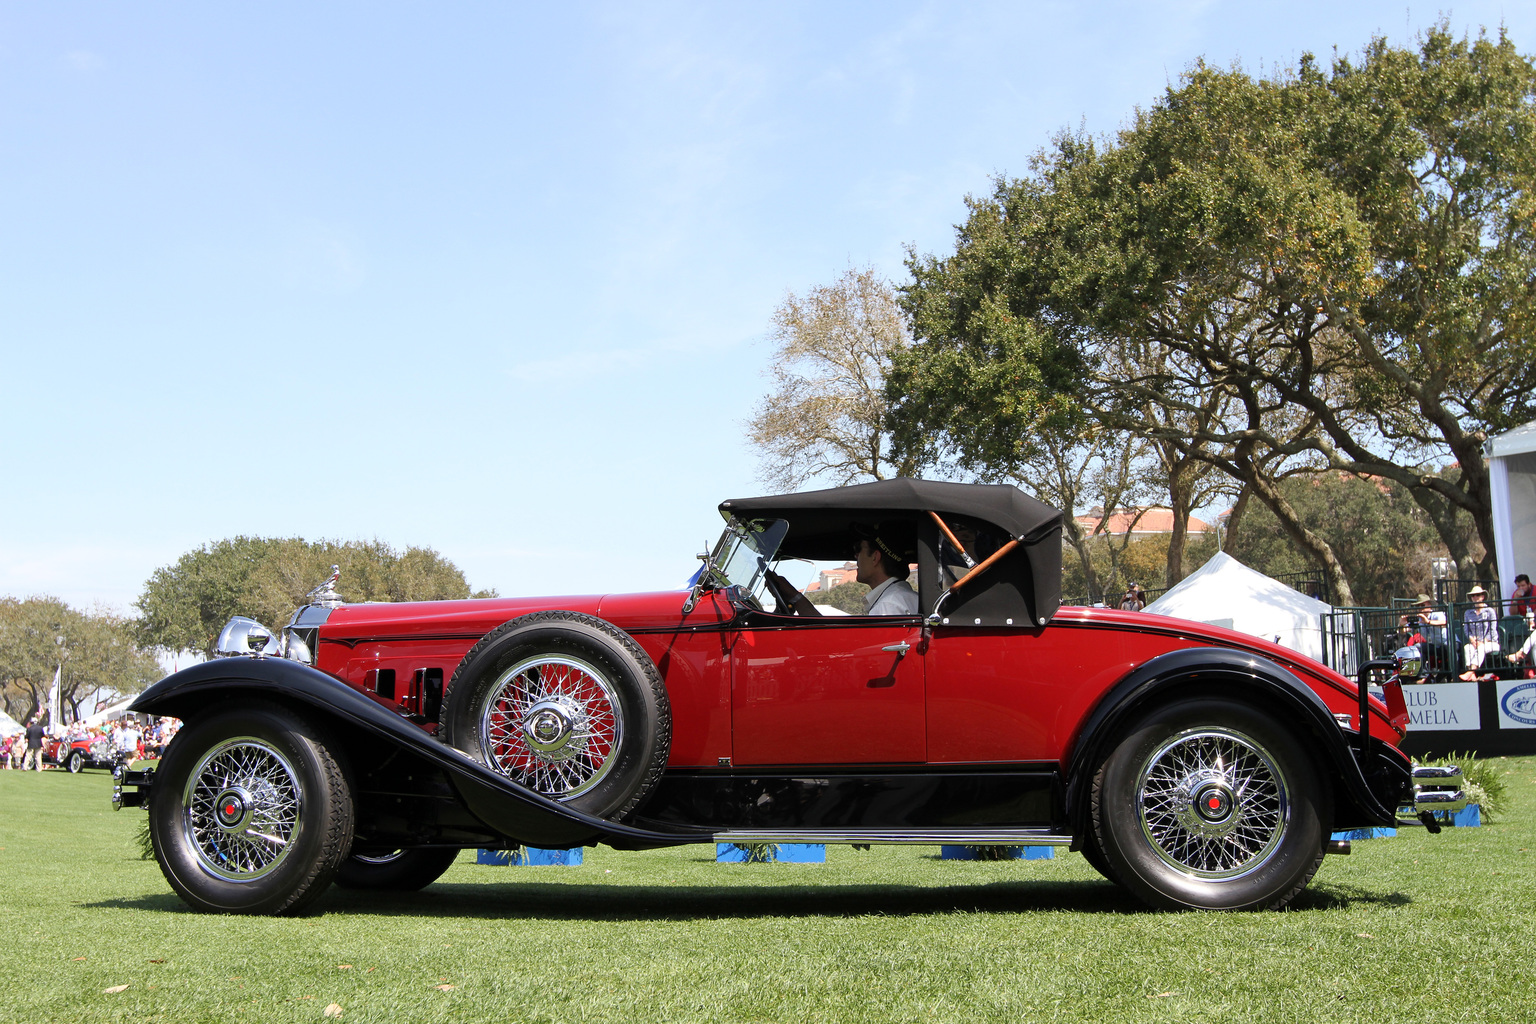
658 610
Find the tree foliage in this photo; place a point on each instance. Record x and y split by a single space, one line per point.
848 597
185 605
825 416
1328 270
95 649
1385 540
1117 565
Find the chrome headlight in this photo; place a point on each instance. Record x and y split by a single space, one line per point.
1409 661
242 637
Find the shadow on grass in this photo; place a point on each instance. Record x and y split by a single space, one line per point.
567 902
607 902
1332 896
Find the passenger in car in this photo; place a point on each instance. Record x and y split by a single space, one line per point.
882 568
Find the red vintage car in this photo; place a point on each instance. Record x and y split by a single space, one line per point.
369 743
79 754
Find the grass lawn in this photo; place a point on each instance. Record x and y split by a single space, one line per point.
1419 928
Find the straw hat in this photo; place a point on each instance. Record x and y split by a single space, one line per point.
1477 590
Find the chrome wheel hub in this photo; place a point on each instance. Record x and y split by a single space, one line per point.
241 809
556 728
232 809
551 723
1213 803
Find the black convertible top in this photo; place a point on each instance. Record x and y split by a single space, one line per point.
1023 518
1024 589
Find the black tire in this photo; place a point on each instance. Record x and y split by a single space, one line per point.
225 781
567 705
1095 857
1211 804
74 762
395 870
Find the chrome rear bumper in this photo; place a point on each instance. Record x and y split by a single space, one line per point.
1436 788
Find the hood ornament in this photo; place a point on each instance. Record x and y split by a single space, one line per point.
325 594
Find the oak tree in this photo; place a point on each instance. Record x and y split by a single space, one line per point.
1330 269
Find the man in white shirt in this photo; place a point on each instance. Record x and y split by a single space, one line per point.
885 572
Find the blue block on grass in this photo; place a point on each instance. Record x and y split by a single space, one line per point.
1470 816
1356 834
782 853
499 858
530 855
1009 853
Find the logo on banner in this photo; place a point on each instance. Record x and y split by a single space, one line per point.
1520 703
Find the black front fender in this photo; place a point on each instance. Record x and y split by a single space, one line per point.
1239 676
505 807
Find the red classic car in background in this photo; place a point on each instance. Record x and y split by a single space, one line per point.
367 744
76 755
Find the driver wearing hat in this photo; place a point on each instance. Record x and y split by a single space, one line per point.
882 568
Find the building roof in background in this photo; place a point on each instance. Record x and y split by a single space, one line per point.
1144 522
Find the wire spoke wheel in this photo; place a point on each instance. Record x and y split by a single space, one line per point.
1210 803
565 705
551 723
252 810
1213 803
241 809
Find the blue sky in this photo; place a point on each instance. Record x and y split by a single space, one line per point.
491 278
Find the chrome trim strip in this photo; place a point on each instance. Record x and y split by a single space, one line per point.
923 836
1438 775
1439 800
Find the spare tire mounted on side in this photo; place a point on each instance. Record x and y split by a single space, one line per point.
565 704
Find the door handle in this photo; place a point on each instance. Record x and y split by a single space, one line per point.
900 650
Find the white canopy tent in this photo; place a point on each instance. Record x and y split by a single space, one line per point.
117 710
9 726
1512 487
1225 592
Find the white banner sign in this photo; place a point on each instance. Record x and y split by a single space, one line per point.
1517 704
1442 706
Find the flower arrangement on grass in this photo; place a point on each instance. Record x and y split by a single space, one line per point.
1483 780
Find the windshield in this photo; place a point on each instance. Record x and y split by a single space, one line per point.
745 549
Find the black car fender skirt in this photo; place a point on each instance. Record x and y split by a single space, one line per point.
1236 675
506 808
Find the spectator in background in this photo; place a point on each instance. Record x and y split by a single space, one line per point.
1523 600
1524 655
8 752
128 740
1134 600
1426 628
1481 622
34 752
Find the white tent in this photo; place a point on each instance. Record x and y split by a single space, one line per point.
1225 592
9 726
117 710
1512 486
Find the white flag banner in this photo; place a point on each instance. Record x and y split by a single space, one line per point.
53 702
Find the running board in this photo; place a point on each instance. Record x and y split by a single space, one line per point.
888 836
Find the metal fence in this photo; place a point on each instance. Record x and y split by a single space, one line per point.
1313 584
1353 636
1309 581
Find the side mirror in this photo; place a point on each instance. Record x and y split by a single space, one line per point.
1409 662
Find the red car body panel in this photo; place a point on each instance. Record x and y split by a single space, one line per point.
803 693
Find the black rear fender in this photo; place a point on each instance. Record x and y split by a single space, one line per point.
1235 675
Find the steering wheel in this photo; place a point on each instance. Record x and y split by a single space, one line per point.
782 604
